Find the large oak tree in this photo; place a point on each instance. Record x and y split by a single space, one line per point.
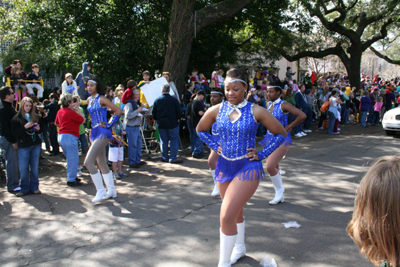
342 28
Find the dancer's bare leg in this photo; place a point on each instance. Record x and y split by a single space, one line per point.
235 195
273 160
212 160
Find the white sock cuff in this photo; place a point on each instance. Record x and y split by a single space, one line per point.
212 173
276 175
242 223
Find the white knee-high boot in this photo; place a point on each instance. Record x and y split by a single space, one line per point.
239 251
98 183
109 181
215 192
226 244
277 181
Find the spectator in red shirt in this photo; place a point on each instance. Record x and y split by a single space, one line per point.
17 63
68 119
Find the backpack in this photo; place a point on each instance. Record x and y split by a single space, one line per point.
325 106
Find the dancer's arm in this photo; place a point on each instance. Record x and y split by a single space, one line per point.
300 115
274 126
117 112
205 124
264 117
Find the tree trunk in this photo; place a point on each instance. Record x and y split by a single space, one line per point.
182 30
180 38
354 70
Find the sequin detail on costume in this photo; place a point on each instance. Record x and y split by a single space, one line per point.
236 137
214 132
282 118
98 114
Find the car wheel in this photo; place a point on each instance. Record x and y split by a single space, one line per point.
390 132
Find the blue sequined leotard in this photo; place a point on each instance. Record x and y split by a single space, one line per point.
98 114
235 138
214 132
282 117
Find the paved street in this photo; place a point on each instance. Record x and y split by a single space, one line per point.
164 214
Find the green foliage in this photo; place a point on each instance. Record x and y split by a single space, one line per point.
122 38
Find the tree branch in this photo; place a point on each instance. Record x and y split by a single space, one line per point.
314 54
246 41
332 26
219 11
392 61
383 34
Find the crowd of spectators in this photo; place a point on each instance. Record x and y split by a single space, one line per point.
62 119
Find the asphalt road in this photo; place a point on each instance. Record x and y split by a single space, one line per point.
164 214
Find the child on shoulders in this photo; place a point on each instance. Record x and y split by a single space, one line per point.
127 96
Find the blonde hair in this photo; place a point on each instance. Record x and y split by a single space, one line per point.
380 99
118 91
14 70
375 226
32 113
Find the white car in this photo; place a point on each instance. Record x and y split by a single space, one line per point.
391 121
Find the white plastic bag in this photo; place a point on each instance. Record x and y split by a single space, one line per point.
291 224
268 262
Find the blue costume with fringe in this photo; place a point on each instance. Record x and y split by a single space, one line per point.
282 118
236 137
99 114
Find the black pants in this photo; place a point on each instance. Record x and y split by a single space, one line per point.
53 138
321 119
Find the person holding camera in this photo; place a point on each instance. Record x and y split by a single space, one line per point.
25 127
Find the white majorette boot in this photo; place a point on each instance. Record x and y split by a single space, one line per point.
277 181
226 244
215 192
98 183
239 251
109 181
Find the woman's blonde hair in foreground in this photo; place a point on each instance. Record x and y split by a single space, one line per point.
375 226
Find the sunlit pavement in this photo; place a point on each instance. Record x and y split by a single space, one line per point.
164 214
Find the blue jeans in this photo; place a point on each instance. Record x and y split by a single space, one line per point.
377 117
192 133
28 157
198 144
11 157
135 144
205 88
371 114
346 115
198 87
331 122
363 117
298 128
83 141
166 136
69 144
308 120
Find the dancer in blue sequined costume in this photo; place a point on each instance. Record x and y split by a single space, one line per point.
280 110
100 136
216 97
239 167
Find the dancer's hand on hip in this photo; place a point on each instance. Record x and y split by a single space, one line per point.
252 154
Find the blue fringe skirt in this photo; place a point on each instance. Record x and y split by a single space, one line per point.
269 136
243 169
100 132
